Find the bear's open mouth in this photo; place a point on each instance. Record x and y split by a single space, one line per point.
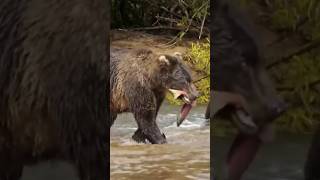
188 104
244 121
236 106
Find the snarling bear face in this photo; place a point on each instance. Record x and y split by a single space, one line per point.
176 78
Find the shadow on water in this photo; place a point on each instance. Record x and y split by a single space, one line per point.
282 159
186 156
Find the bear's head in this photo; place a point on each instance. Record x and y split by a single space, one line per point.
176 77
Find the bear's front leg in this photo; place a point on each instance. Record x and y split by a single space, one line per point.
143 105
139 137
148 128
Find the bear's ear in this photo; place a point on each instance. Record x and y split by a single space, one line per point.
167 61
178 55
163 60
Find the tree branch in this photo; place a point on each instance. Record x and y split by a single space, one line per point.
164 28
302 50
311 85
200 79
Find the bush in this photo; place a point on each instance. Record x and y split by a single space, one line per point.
296 79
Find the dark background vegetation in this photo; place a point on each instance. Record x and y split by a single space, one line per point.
292 58
183 15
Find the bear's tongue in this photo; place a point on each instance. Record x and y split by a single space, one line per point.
244 150
186 106
184 112
241 155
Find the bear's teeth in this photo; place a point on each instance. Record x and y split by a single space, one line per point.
186 99
176 93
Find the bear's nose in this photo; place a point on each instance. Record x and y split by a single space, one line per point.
278 107
194 95
193 98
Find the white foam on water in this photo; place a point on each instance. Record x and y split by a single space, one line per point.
187 124
129 141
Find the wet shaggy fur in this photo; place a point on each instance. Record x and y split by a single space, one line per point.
53 81
139 81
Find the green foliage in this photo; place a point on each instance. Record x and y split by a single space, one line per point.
296 79
298 16
199 58
302 16
283 19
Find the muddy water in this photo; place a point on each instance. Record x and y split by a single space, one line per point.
186 156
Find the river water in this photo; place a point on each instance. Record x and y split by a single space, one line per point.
186 156
283 159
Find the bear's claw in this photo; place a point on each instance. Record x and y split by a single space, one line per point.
139 137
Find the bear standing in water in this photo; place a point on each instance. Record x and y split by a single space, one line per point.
53 83
139 80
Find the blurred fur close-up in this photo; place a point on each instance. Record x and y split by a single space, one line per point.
53 79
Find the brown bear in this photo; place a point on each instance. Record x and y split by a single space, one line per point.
53 85
139 81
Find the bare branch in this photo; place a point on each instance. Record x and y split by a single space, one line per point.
200 79
313 84
304 49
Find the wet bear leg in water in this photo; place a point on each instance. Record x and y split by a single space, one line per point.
139 136
145 113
